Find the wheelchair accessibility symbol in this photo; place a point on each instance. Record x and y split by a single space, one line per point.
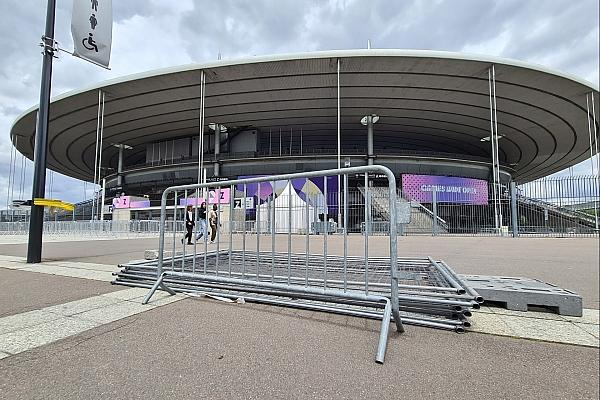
89 43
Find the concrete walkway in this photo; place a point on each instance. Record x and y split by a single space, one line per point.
93 340
204 349
22 332
582 331
570 263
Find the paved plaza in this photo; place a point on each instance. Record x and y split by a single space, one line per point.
66 332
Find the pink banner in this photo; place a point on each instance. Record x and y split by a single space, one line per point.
125 202
222 196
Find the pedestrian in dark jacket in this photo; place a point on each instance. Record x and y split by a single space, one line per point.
213 219
189 224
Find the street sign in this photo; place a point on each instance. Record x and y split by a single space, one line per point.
238 203
91 28
213 179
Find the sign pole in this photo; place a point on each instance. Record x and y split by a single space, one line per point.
36 224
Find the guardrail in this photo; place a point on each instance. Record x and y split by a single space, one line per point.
313 274
134 228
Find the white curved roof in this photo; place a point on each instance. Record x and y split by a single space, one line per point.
430 101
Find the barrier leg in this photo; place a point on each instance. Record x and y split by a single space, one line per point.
159 282
383 334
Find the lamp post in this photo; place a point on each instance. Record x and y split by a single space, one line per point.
369 121
36 224
121 147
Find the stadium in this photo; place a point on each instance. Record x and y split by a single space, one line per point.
420 113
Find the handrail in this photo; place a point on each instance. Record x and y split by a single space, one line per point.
332 294
556 208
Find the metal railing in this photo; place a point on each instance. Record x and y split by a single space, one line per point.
310 275
85 229
559 206
286 240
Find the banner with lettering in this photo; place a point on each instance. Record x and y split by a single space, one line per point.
449 189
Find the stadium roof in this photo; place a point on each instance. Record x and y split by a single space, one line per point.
435 101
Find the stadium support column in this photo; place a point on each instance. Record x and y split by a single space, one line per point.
513 209
494 143
36 223
370 140
217 149
103 199
120 167
497 155
339 149
592 133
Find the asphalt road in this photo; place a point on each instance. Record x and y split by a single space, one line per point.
571 263
200 348
22 291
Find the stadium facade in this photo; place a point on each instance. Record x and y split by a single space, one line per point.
416 112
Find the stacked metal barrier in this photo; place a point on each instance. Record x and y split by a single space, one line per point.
262 265
430 292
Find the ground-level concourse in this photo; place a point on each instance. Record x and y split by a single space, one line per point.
279 114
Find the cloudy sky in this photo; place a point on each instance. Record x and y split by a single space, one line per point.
149 34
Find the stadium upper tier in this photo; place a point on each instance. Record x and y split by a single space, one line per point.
430 103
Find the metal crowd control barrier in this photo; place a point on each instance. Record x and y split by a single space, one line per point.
310 276
91 229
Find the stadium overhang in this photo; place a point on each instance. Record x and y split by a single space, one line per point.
434 101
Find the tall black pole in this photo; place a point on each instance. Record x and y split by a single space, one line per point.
36 222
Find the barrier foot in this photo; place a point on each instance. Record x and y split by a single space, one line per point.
159 282
383 335
399 325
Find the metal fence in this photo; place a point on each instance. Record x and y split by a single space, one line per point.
562 206
311 274
91 229
287 240
557 207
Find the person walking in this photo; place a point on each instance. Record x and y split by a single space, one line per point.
202 222
213 219
189 224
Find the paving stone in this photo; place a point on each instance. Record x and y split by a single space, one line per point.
490 323
71 272
12 265
167 299
12 258
39 335
528 314
549 330
590 316
592 329
80 306
160 297
114 312
127 294
85 266
26 319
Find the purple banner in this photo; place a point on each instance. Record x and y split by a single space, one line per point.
311 188
448 189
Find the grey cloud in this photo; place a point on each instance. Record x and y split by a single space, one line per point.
560 25
237 28
559 34
122 10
